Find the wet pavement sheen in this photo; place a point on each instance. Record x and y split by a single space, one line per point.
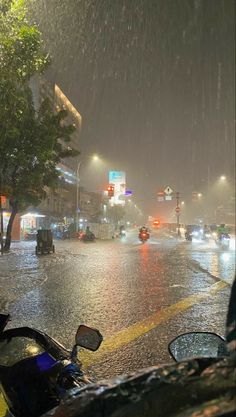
113 285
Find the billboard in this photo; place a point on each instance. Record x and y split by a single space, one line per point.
118 179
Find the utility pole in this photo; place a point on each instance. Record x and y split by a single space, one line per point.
77 197
177 210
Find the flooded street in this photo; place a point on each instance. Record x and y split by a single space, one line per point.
138 296
117 208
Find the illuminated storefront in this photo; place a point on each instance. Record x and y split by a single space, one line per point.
30 222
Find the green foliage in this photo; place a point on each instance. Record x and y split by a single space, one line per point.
21 52
31 142
30 147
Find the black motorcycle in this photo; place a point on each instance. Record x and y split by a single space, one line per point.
36 372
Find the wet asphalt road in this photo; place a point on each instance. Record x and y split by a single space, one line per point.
130 291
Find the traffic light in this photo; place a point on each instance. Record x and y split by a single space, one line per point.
3 201
110 190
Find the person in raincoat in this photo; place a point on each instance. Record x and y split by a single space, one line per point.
222 230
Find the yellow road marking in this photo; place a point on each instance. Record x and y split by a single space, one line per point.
129 334
3 406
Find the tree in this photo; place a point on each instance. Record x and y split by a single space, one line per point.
31 142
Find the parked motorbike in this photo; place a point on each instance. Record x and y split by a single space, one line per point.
61 234
88 237
143 236
79 235
36 372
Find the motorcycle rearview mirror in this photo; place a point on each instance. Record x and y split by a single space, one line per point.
4 319
88 337
197 344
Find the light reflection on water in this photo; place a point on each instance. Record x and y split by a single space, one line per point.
219 263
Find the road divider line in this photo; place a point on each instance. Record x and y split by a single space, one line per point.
133 332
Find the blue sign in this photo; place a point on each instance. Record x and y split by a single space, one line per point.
128 192
116 176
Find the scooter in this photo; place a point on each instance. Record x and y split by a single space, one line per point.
188 236
223 240
122 234
88 237
36 372
143 236
79 235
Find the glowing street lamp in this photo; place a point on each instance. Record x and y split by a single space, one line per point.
94 158
223 178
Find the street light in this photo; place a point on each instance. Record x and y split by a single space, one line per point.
94 157
223 178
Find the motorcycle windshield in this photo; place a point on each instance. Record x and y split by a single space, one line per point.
44 361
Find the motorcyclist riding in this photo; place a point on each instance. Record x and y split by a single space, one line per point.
205 232
221 231
143 234
89 236
88 231
143 229
122 231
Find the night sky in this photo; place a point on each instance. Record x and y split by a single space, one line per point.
154 82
